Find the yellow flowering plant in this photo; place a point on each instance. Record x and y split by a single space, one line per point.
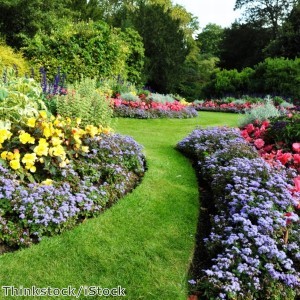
45 145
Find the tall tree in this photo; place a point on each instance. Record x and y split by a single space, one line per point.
287 44
20 19
242 46
270 13
210 38
165 46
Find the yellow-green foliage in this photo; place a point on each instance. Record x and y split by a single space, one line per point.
10 58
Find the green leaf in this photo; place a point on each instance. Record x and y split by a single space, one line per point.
3 94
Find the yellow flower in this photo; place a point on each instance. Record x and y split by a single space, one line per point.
59 133
48 130
25 138
62 164
56 141
85 149
78 121
9 156
106 130
32 169
17 154
42 148
3 155
47 182
91 130
41 160
57 151
43 114
4 135
31 122
29 158
15 164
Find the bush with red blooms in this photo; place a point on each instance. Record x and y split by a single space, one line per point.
275 140
147 109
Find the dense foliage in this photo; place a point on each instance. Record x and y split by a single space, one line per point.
57 170
253 245
278 76
90 49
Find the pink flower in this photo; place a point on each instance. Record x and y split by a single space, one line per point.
250 128
259 143
244 134
268 148
296 147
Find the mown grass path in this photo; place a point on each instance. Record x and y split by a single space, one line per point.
144 243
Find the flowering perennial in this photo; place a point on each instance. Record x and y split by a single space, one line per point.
58 174
255 236
152 110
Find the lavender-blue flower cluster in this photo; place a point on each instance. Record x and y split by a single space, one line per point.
254 245
29 211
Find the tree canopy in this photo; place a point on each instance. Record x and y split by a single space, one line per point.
270 13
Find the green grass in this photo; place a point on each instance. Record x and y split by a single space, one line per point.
144 243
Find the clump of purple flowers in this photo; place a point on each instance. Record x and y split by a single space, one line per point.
29 211
251 258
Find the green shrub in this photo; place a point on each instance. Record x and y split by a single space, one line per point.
93 50
9 59
277 76
260 113
231 82
85 101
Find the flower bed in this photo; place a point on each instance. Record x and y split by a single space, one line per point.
58 174
238 105
253 244
218 105
150 109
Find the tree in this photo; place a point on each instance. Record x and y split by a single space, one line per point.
270 13
242 46
165 46
209 40
287 44
20 19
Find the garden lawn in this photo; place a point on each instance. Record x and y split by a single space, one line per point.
144 243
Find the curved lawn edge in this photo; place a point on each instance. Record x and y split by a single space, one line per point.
144 243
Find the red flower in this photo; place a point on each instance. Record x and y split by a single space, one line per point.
265 124
259 143
288 220
297 184
285 157
296 158
296 147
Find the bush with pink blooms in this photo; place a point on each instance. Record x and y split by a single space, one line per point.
277 140
149 108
